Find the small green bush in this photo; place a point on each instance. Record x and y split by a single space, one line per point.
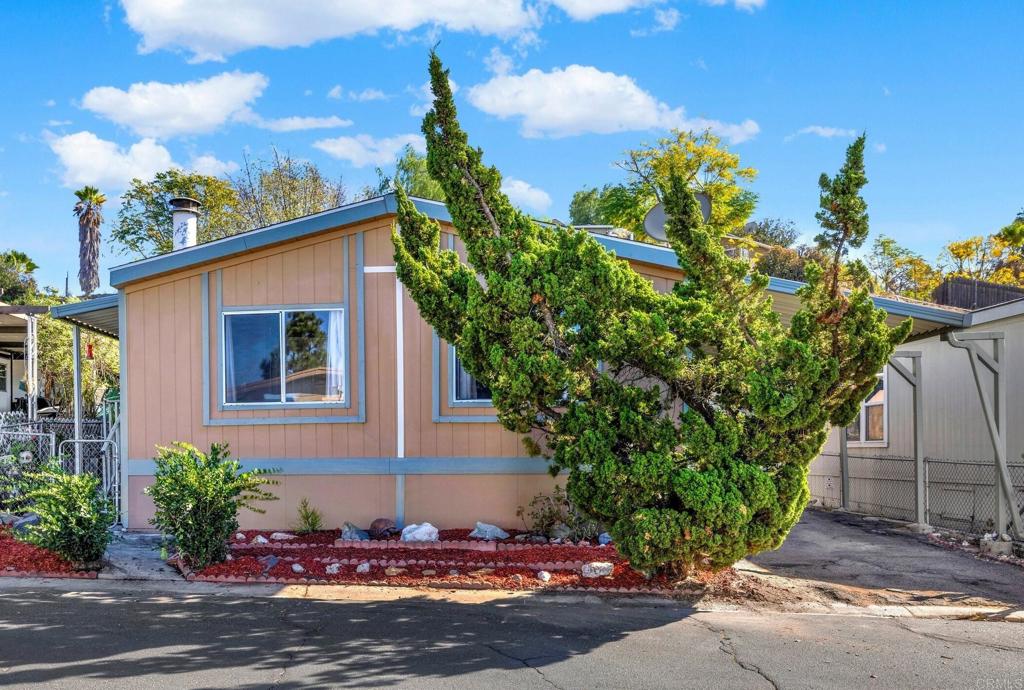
310 519
74 516
554 515
18 479
198 496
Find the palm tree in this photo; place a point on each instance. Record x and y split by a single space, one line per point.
89 210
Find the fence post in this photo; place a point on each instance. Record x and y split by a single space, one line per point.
76 367
844 469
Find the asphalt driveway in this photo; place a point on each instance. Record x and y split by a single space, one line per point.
847 549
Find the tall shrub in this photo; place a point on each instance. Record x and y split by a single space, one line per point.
198 496
686 419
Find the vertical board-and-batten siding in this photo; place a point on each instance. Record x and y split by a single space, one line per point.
369 465
954 425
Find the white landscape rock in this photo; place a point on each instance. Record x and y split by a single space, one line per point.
421 532
543 575
281 536
335 568
296 568
484 530
239 536
597 569
260 539
363 568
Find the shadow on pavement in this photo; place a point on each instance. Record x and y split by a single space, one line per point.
249 642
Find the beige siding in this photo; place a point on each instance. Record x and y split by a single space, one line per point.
954 426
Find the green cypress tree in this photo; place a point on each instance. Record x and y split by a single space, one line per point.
686 420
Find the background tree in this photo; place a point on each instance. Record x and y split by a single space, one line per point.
774 231
144 221
283 188
89 210
581 352
898 271
17 284
411 174
703 162
1013 234
789 263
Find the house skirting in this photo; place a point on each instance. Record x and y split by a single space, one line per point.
360 490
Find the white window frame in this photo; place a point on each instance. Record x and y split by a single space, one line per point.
283 402
453 399
862 417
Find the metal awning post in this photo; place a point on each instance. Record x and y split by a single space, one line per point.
76 367
913 377
995 419
31 368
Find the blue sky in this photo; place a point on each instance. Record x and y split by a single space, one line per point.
553 90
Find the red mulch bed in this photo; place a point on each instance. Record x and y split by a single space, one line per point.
511 577
20 559
326 536
546 553
512 570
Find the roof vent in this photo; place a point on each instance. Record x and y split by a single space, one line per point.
184 222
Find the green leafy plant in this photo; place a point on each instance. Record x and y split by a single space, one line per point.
18 479
554 515
310 519
198 496
74 516
685 419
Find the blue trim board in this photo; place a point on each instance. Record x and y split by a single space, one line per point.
270 235
139 467
435 392
86 306
387 205
358 418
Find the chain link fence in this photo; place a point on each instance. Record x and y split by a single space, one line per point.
959 494
95 452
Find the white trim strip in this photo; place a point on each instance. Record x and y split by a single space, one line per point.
378 269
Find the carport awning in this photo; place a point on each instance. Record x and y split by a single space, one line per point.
99 314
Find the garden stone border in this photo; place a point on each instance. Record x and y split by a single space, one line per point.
74 575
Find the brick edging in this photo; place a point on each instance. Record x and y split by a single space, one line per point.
458 544
74 575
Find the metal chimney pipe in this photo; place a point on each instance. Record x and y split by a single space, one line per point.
184 222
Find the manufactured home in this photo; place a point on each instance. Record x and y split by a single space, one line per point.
297 346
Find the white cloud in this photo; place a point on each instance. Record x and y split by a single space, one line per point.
156 109
425 97
213 29
824 132
585 10
211 165
582 99
881 147
498 62
363 150
297 123
664 20
524 194
307 92
338 93
745 5
50 103
367 95
87 159
58 123
700 64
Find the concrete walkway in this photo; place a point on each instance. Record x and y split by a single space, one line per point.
846 549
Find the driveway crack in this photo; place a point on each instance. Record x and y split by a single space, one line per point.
956 640
726 646
526 664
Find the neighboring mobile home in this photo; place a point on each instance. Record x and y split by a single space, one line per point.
368 413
